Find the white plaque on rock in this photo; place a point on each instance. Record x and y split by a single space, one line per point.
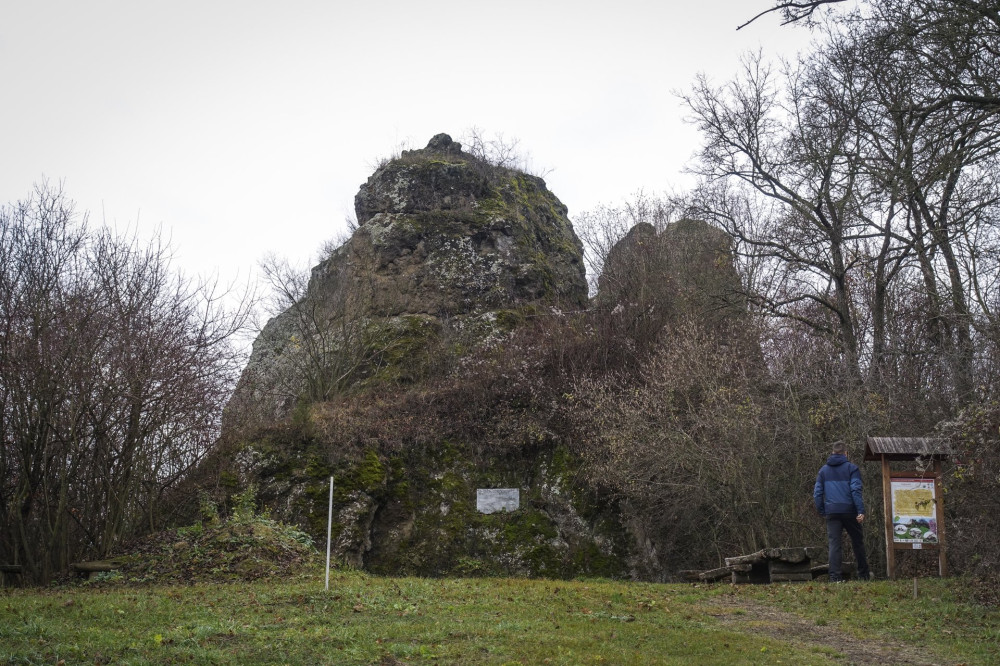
492 500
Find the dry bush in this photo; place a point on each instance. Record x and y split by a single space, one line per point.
973 483
714 452
114 372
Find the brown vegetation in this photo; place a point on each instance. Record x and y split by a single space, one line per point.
114 373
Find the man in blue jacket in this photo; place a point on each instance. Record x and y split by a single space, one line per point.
838 498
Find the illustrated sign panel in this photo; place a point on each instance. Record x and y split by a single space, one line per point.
492 500
914 511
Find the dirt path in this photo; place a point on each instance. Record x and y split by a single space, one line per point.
747 616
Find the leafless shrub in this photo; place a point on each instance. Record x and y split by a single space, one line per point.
712 451
973 482
115 370
500 151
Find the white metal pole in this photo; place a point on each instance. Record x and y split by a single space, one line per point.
329 530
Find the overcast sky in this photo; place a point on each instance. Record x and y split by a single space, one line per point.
242 127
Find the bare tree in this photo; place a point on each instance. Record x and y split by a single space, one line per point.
954 42
332 329
872 184
114 373
500 151
930 163
781 142
326 332
792 12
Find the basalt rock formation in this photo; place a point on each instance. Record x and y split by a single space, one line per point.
685 270
400 372
446 245
452 235
451 254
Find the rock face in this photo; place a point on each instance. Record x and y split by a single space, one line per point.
448 234
451 254
446 242
685 270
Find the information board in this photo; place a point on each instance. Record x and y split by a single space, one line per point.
914 511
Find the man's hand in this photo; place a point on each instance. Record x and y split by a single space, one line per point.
861 517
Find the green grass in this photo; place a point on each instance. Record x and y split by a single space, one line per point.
371 620
944 618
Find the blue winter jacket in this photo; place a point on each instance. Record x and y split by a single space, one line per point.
838 487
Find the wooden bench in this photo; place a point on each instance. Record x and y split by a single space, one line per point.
848 569
92 569
774 565
10 573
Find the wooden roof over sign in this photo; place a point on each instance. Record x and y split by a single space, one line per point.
906 448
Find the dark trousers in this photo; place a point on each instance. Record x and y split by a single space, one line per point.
835 524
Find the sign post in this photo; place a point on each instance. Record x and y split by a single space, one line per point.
329 530
912 499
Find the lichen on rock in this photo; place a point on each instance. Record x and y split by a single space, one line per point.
442 236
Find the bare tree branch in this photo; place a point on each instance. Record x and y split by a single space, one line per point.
794 11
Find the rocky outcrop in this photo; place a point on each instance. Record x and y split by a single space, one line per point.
415 513
446 234
446 244
450 257
686 270
450 254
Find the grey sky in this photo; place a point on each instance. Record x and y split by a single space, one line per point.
247 127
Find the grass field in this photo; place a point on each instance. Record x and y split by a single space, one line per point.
371 620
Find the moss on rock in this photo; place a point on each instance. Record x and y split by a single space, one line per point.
452 256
